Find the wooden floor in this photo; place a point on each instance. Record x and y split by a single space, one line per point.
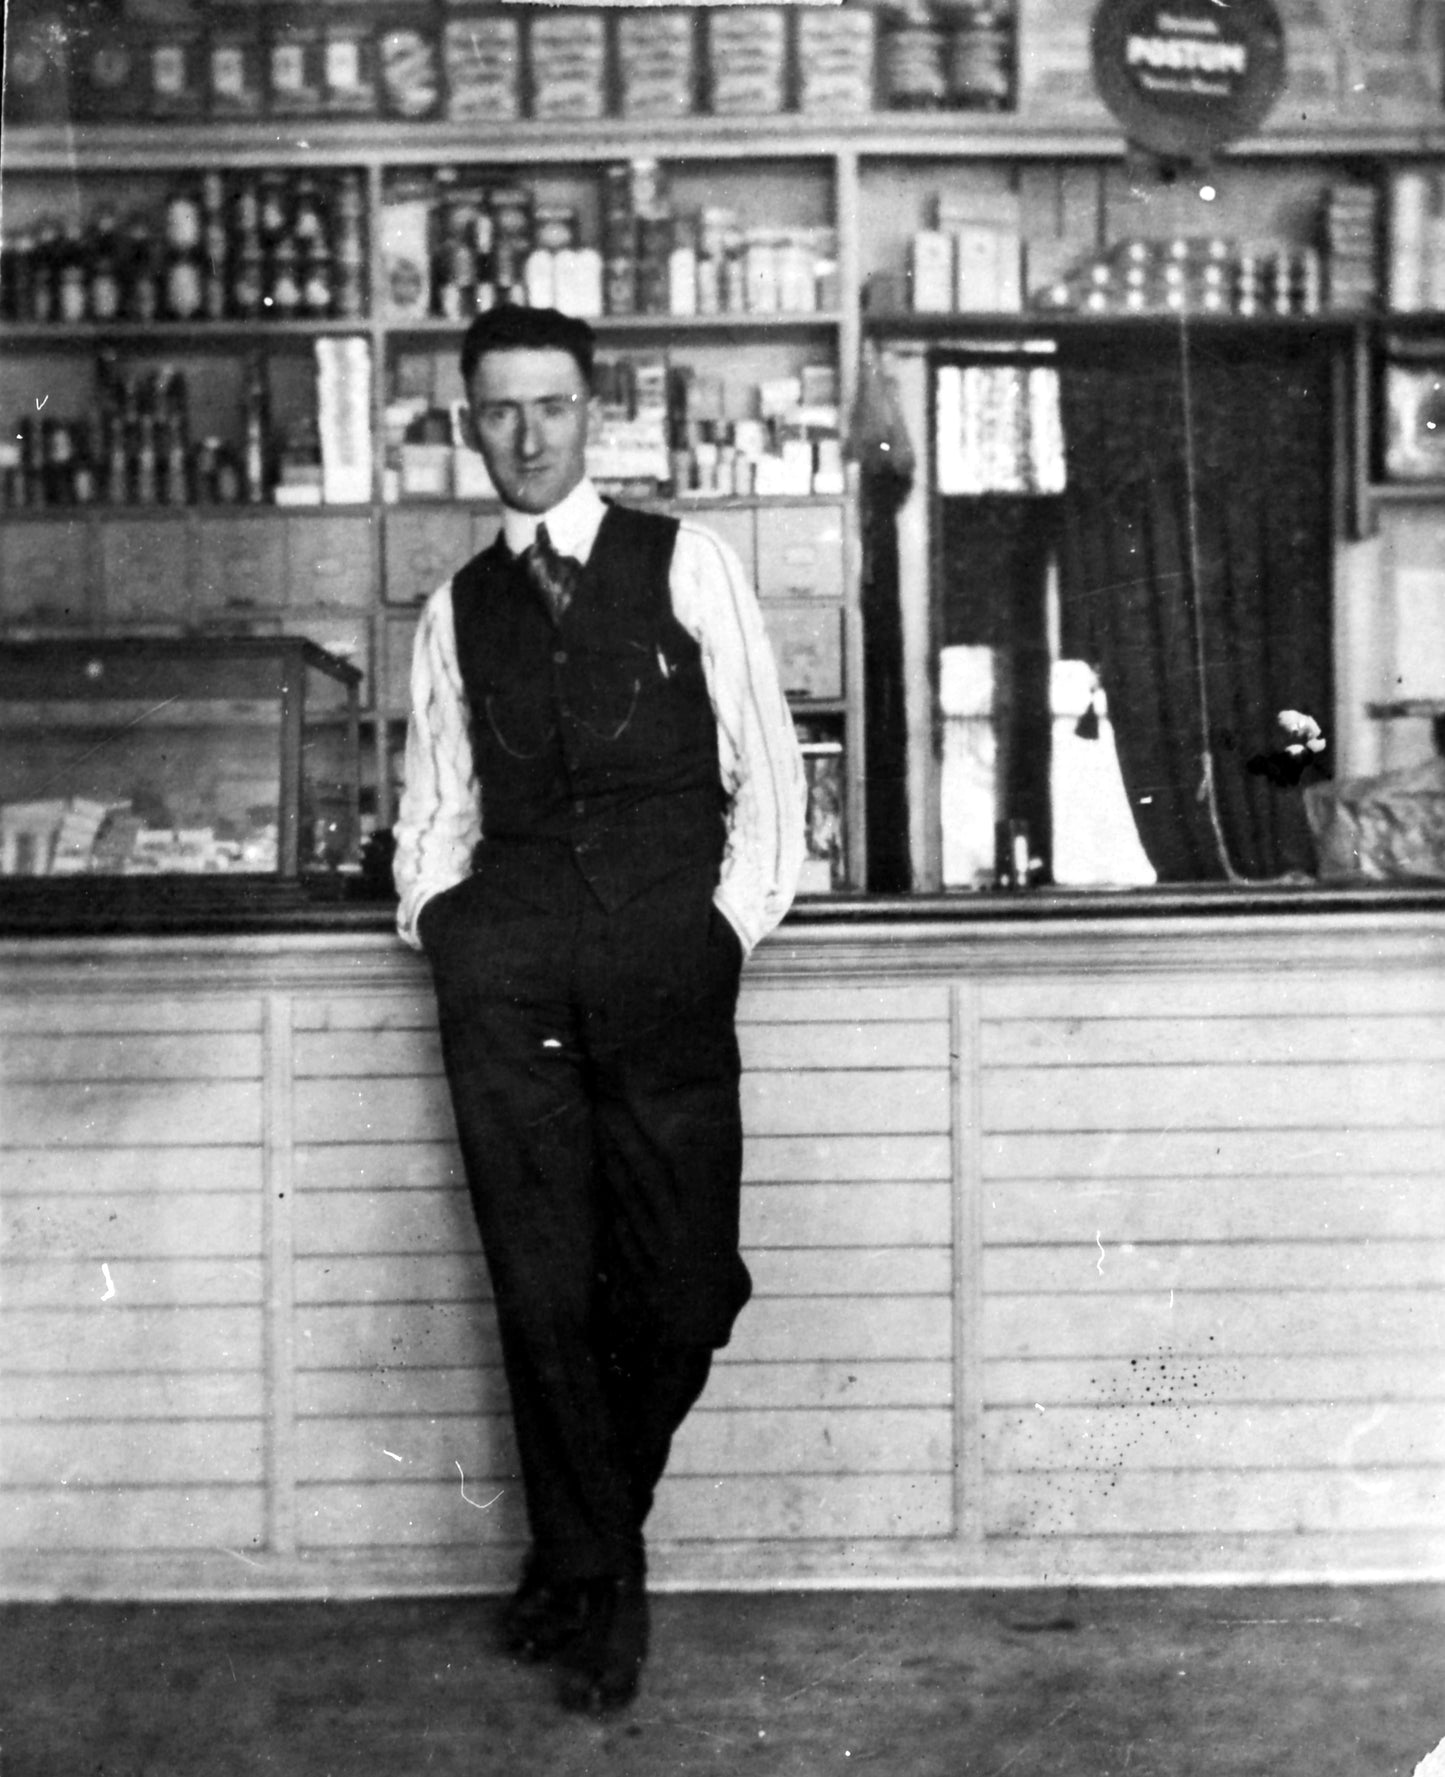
1278 1682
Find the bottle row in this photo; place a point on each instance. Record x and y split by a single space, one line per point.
455 242
276 245
975 258
494 65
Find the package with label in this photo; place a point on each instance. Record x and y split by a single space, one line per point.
408 68
656 63
405 255
236 71
835 60
349 68
482 55
747 59
176 65
296 64
568 50
343 415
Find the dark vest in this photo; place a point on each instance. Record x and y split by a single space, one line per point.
599 732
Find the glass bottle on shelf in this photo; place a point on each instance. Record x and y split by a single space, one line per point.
19 277
317 281
254 469
349 296
283 282
184 292
215 250
44 294
143 280
105 290
72 279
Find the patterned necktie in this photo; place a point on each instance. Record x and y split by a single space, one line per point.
554 576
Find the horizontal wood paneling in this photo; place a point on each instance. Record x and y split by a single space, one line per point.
459 1276
911 1044
192 1394
1121 1042
107 1336
51 1172
1240 1324
110 1452
182 1056
68 1015
1211 989
133 1283
110 1520
860 1002
845 1440
826 1102
1201 1502
1381 1378
406 1449
1186 1430
848 1215
1222 1152
1164 1209
805 1507
845 1159
80 1115
1298 1095
419 1163
1108 1268
36 1227
385 1222
478 1390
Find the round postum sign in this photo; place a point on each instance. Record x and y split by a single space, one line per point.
1186 76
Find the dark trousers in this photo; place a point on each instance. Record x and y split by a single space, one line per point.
593 1067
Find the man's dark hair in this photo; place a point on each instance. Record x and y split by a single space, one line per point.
512 328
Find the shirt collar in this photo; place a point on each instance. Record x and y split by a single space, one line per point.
572 524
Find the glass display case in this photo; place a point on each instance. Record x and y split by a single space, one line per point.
220 757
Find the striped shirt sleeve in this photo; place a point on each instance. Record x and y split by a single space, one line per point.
758 753
440 818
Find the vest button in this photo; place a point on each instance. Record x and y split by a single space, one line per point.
560 657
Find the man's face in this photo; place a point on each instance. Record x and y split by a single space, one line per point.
530 411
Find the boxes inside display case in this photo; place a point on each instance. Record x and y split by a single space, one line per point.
159 757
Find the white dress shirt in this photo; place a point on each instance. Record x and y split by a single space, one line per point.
441 816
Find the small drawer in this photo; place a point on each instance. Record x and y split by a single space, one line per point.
808 645
329 561
422 549
44 572
800 552
242 564
145 570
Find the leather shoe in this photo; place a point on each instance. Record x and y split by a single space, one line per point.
543 1615
601 1667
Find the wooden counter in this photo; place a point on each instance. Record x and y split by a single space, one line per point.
1084 1250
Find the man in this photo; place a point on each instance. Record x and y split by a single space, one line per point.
602 816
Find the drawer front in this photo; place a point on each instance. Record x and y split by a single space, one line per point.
44 572
422 549
242 563
735 525
800 552
329 562
146 570
808 643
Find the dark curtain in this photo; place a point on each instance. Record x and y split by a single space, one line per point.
1244 451
885 721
